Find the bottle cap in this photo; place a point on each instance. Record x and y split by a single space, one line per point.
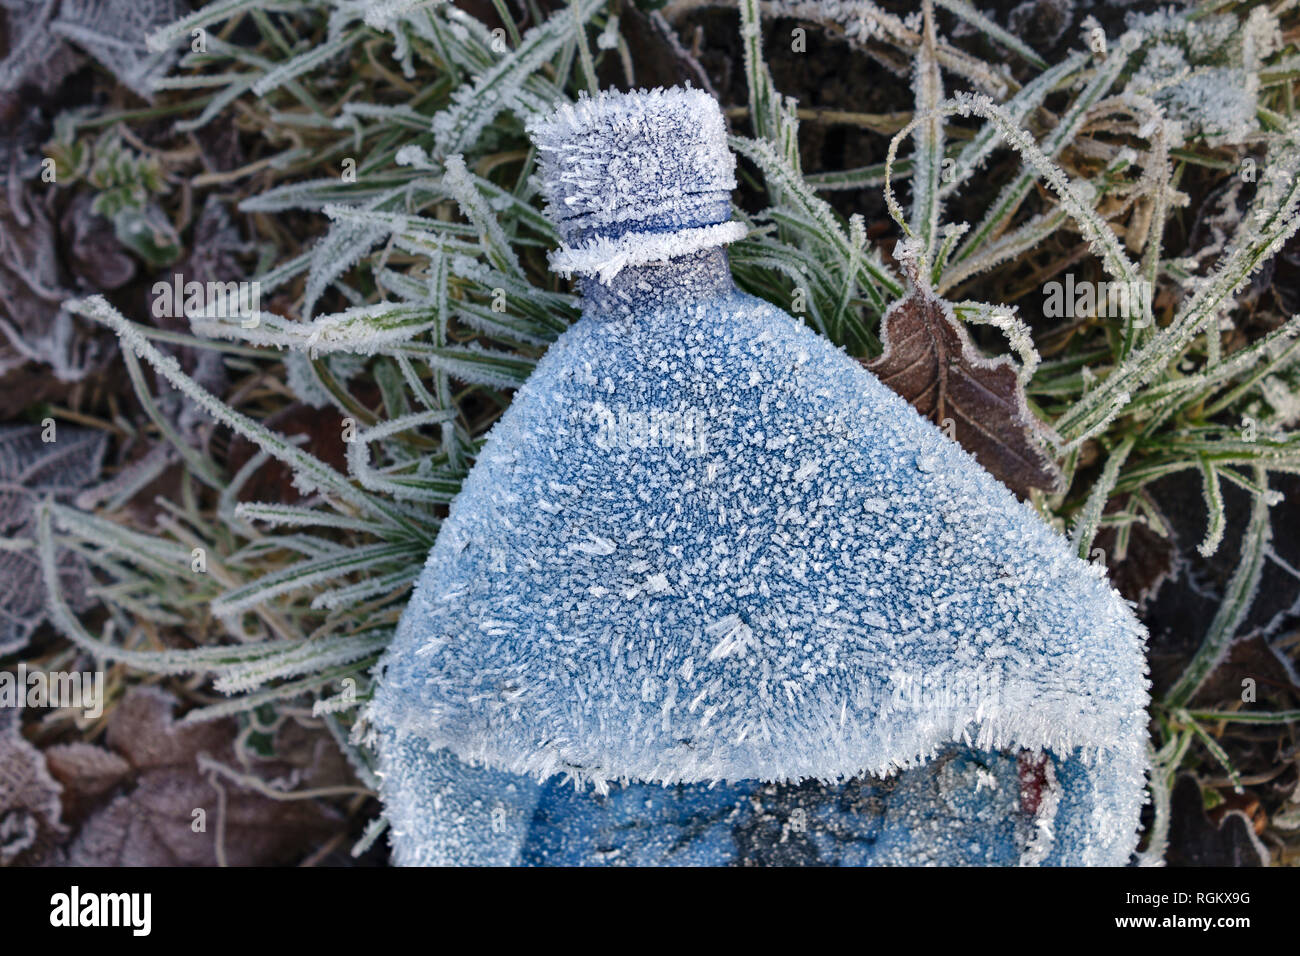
631 178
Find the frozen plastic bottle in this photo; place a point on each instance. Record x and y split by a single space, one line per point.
712 593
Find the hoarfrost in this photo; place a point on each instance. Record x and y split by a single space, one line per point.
636 179
114 31
31 470
35 55
30 814
1218 103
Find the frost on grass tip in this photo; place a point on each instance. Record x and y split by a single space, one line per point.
709 577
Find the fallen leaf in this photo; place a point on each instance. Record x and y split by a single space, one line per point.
94 254
930 360
30 824
142 730
1250 658
175 812
34 326
310 757
216 246
86 773
31 469
1195 840
31 466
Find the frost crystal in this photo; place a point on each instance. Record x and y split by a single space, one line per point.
706 637
633 179
34 54
31 470
114 31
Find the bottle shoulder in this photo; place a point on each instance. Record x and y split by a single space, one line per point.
716 496
728 317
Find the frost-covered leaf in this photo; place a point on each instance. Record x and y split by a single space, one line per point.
86 768
930 360
22 594
1205 69
216 245
86 772
95 253
30 466
31 470
30 824
156 821
34 326
1196 840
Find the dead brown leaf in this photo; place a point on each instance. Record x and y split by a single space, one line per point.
174 814
930 360
86 772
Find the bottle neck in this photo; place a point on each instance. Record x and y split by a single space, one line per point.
703 274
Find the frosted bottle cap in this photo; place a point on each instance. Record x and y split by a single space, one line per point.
631 178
